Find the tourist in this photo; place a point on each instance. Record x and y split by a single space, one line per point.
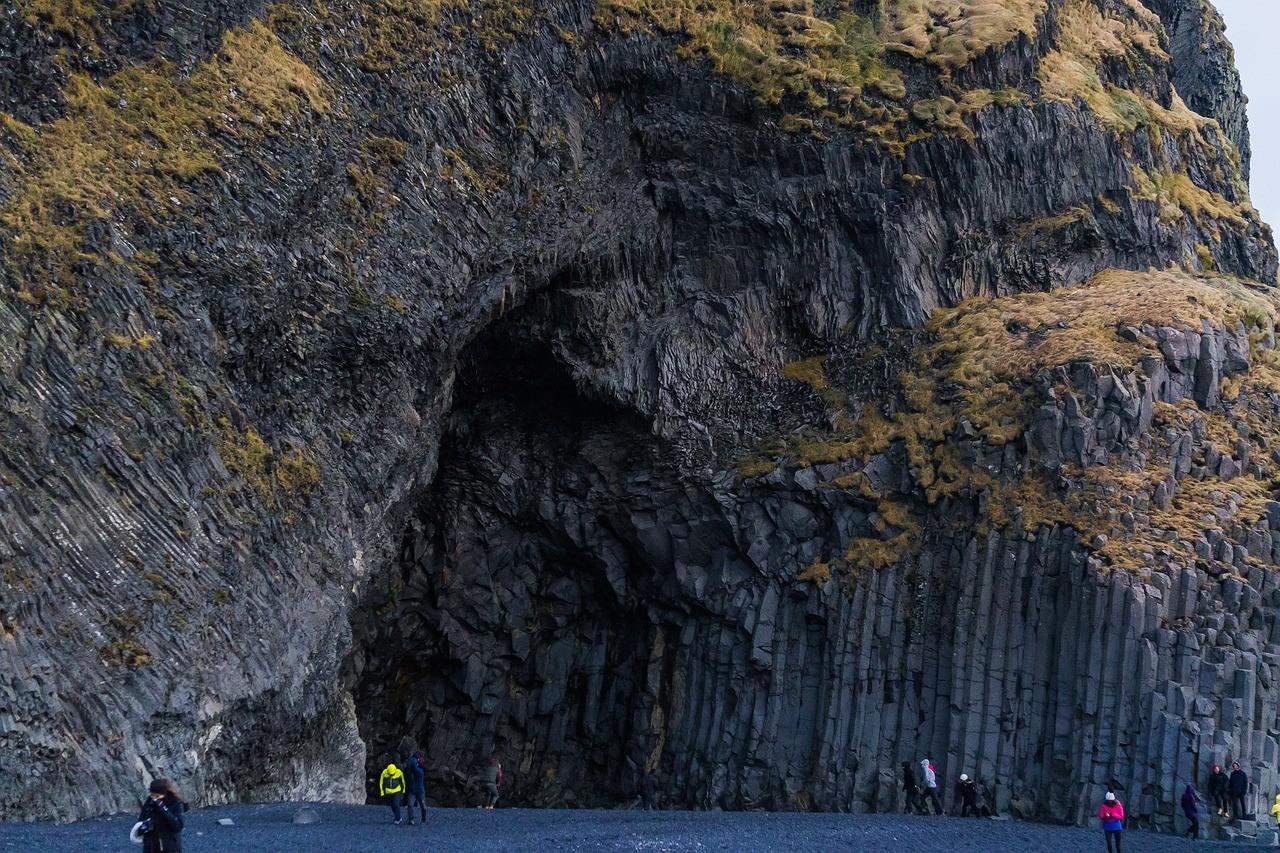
967 794
1237 789
1111 813
1275 810
1189 800
930 778
491 779
391 788
910 791
160 821
1218 790
417 786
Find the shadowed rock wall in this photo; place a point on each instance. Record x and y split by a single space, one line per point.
249 252
574 603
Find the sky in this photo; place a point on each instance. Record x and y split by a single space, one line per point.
1253 27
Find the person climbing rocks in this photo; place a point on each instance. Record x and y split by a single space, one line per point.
417 786
1190 800
1111 813
1237 789
967 794
1218 790
391 788
1275 810
930 778
910 791
160 821
491 779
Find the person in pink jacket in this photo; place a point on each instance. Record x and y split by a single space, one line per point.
1111 813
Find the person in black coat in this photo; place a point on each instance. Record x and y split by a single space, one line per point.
967 794
910 790
416 771
161 817
1218 790
1237 788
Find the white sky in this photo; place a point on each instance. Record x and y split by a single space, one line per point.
1254 27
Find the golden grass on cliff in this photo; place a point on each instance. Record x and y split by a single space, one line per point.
980 365
132 143
778 48
951 33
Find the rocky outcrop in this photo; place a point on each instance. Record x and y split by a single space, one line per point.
369 372
572 600
1205 64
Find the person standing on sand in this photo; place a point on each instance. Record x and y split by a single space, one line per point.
967 793
417 787
1111 813
1189 803
910 790
161 818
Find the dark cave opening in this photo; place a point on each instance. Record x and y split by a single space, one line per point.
515 622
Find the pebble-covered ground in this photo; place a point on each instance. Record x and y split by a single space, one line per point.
352 829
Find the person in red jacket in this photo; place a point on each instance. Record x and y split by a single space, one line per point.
1111 813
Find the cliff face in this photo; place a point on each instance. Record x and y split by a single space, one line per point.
542 378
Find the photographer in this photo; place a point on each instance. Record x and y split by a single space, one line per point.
160 821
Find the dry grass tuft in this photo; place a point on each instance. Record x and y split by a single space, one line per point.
130 144
951 33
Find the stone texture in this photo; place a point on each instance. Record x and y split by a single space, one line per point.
519 363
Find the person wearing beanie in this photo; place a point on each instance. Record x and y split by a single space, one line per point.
1111 814
967 794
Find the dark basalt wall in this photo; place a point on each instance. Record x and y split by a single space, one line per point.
570 599
531 340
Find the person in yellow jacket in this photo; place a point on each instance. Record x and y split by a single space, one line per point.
1275 809
391 787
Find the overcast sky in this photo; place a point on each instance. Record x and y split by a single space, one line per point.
1254 27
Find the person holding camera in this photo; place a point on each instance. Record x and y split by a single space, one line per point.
160 821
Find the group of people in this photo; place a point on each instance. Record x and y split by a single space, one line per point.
395 784
922 793
1227 792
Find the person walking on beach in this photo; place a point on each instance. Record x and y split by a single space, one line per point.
417 787
160 820
1218 790
930 778
391 788
1111 813
1189 808
1237 790
910 791
491 779
967 794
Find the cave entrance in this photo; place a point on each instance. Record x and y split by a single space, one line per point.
518 622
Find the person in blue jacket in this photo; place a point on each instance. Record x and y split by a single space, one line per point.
417 773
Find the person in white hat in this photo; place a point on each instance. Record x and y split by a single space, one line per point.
1111 813
967 794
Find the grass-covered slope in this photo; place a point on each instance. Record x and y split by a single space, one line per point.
1185 449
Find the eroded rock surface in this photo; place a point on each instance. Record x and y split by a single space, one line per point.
373 370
